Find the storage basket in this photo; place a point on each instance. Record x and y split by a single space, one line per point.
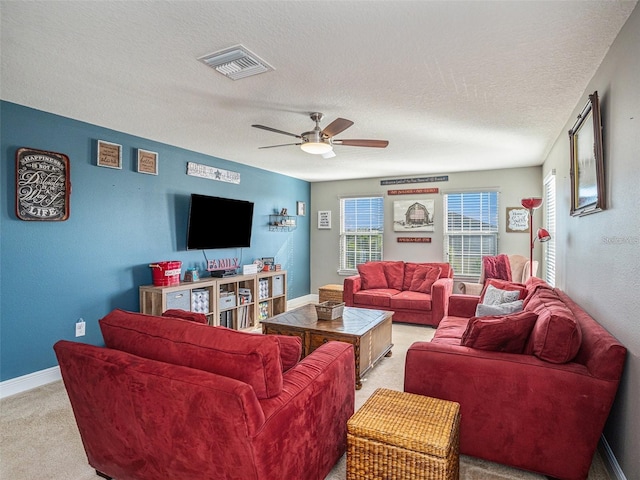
404 435
166 273
329 310
331 292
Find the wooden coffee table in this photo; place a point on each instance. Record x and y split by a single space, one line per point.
369 331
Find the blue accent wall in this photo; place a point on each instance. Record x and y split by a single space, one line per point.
52 273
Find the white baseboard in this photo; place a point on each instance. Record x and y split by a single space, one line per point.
29 381
610 461
300 301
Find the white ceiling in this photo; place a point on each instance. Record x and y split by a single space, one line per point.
453 85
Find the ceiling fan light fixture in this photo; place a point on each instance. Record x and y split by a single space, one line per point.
316 148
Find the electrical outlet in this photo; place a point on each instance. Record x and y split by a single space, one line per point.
80 328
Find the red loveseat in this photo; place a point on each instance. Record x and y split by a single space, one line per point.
536 387
415 292
170 398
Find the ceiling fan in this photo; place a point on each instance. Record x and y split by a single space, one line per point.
320 141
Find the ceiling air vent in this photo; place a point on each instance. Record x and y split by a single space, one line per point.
236 62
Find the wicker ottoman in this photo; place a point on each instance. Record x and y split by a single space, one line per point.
330 293
398 435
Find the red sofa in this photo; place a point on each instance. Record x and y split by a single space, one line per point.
536 400
415 292
170 398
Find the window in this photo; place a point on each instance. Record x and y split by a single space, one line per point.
361 231
549 248
470 230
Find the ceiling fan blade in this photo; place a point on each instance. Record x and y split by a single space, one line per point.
362 143
281 145
337 126
275 130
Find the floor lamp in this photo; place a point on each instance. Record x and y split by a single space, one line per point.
542 235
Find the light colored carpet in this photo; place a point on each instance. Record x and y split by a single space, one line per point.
39 438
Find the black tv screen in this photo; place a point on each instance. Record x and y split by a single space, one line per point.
216 222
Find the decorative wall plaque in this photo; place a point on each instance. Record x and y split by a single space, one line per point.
147 162
109 155
517 219
42 185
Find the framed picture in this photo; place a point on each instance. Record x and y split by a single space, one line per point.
301 209
517 220
587 163
413 216
109 155
147 162
42 185
324 220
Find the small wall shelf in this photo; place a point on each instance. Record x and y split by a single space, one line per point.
282 223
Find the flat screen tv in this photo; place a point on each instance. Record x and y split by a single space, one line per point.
216 222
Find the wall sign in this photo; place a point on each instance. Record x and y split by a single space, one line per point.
324 220
147 162
517 219
399 181
212 173
414 239
109 155
412 191
42 185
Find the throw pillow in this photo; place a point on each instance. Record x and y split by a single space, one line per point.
495 296
424 276
502 333
557 336
394 271
483 310
504 285
372 275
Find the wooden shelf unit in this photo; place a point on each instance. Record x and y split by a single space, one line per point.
230 301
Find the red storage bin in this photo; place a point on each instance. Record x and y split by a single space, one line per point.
166 273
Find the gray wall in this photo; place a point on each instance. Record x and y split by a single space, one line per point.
513 185
599 255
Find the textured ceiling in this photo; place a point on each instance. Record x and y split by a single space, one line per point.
452 85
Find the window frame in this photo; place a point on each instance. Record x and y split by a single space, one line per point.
350 267
469 265
550 214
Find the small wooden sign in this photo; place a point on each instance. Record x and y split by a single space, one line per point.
401 181
412 191
414 239
43 186
109 155
147 162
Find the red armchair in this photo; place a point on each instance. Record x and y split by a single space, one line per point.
169 398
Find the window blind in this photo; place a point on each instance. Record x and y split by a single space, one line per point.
471 230
361 231
549 248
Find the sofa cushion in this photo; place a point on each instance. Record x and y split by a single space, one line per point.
380 297
501 291
411 301
450 330
394 271
253 359
556 336
184 315
499 333
424 276
372 275
483 310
